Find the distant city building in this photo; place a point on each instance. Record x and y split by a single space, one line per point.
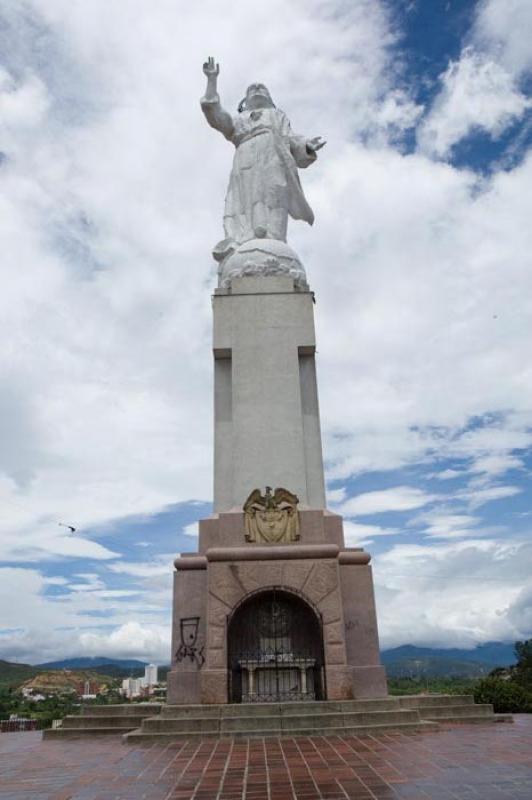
150 675
90 690
33 695
135 687
132 687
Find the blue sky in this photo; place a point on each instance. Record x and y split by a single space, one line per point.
111 192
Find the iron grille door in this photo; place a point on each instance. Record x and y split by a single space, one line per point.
275 649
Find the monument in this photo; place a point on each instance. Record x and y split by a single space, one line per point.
273 607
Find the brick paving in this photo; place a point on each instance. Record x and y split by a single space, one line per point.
477 762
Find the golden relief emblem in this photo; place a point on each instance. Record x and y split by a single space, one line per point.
271 517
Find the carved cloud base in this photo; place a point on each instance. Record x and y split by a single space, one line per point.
265 258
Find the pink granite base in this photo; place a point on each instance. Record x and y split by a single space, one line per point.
336 583
339 683
369 682
183 687
213 686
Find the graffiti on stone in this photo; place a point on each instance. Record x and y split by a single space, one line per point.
189 648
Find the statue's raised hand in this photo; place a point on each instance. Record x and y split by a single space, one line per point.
315 144
211 69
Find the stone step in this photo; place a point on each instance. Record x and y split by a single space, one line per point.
383 704
82 733
278 721
117 719
122 709
266 709
176 726
139 737
98 722
416 700
471 719
466 710
349 719
452 709
275 719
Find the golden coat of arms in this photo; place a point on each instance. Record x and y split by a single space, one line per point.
271 517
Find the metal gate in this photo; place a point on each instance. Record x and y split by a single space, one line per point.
275 650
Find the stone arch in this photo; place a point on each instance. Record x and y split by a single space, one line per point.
275 649
274 588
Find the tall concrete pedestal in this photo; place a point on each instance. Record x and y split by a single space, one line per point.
308 584
266 415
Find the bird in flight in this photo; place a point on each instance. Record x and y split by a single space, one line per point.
70 527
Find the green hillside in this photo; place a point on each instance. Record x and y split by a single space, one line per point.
436 667
67 680
448 661
12 675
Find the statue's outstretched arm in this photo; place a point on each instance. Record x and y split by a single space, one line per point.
216 116
303 150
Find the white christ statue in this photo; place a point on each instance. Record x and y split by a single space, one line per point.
264 186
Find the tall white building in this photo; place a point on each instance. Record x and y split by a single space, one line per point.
132 687
150 675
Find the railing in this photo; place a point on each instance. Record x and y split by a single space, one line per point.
17 725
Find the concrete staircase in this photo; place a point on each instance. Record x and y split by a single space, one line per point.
448 708
102 720
341 718
149 723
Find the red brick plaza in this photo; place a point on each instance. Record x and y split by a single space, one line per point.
477 762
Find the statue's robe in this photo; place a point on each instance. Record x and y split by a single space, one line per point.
264 186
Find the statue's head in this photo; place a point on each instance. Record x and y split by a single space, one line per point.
257 96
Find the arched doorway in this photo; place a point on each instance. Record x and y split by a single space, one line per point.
275 650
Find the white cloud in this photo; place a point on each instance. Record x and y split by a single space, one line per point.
482 90
440 525
335 496
423 339
93 586
55 580
494 440
476 93
478 497
520 613
391 116
22 106
130 641
496 464
162 565
38 541
454 593
400 498
504 26
398 110
44 627
446 474
358 534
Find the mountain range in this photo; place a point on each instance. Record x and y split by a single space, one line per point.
92 663
407 661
